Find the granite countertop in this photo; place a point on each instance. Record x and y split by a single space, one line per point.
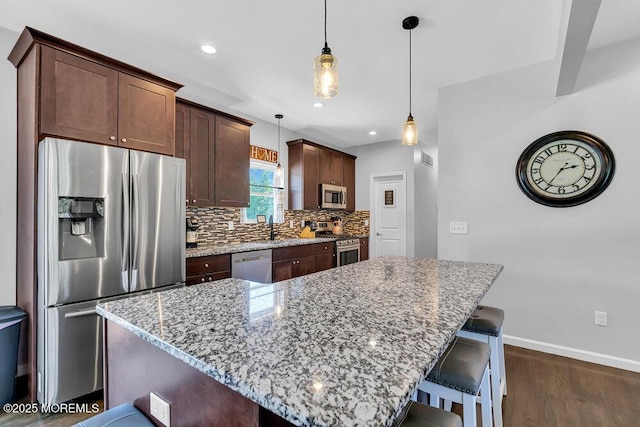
231 248
346 346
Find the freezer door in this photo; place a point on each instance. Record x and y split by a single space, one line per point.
71 363
157 220
83 198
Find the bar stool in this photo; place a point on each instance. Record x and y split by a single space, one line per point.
460 374
485 325
124 415
418 415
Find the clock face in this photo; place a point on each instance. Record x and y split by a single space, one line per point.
565 168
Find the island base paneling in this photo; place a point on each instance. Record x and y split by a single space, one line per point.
134 368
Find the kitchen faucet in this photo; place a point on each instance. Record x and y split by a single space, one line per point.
272 235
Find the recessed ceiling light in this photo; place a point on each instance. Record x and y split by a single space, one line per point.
318 104
373 132
207 48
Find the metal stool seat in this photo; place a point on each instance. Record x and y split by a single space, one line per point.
418 415
485 325
460 374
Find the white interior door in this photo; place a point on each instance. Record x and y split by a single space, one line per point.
389 214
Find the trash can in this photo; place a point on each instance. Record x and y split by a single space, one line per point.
10 320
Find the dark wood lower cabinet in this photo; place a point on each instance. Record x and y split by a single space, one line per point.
296 261
134 368
364 248
208 269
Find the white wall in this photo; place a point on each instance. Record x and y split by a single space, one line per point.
426 208
385 157
561 265
8 163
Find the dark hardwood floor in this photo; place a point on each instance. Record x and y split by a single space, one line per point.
543 391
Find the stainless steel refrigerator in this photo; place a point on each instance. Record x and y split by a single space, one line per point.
110 222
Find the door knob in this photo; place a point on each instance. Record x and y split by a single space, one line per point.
378 234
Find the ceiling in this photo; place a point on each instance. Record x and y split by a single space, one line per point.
264 63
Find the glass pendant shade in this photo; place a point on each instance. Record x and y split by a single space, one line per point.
279 170
325 75
410 132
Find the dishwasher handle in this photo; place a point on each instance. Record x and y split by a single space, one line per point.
254 258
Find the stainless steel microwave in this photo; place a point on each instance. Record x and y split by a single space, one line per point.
333 196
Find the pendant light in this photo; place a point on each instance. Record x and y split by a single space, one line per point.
279 172
325 70
410 127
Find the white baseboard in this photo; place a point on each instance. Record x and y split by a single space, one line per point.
574 353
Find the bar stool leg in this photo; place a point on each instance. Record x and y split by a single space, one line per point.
496 379
434 401
503 371
469 410
486 407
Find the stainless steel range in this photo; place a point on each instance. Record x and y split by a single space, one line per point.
347 250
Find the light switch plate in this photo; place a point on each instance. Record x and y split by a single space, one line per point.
291 224
601 318
160 409
230 225
458 228
366 222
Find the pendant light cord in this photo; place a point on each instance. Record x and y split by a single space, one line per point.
409 71
325 23
278 140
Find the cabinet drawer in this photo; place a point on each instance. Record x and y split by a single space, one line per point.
292 252
208 264
324 248
204 278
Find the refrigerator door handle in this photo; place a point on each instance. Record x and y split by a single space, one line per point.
135 207
125 232
80 313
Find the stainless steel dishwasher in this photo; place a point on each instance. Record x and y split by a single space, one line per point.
254 266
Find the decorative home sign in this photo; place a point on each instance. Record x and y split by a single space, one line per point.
389 198
264 154
565 169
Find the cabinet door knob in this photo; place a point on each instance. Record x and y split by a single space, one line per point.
206 265
193 201
112 138
186 201
202 280
247 203
210 279
325 248
124 140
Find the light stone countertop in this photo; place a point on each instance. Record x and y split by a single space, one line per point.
231 248
342 347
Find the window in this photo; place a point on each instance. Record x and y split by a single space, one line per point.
265 197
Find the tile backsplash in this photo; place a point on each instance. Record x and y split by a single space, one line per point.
215 224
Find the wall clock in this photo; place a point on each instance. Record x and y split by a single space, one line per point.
565 168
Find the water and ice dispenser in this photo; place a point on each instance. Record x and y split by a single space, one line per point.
80 227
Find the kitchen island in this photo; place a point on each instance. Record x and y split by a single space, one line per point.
346 346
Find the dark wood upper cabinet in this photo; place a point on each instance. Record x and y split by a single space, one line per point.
311 177
331 167
216 147
349 181
146 115
201 158
79 98
231 163
310 165
86 100
183 139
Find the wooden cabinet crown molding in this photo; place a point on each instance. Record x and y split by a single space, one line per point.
307 142
31 36
214 111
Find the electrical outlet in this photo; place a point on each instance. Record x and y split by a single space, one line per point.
458 228
230 225
366 222
291 224
601 318
160 409
302 224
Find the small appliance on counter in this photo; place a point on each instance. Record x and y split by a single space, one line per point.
337 225
192 232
